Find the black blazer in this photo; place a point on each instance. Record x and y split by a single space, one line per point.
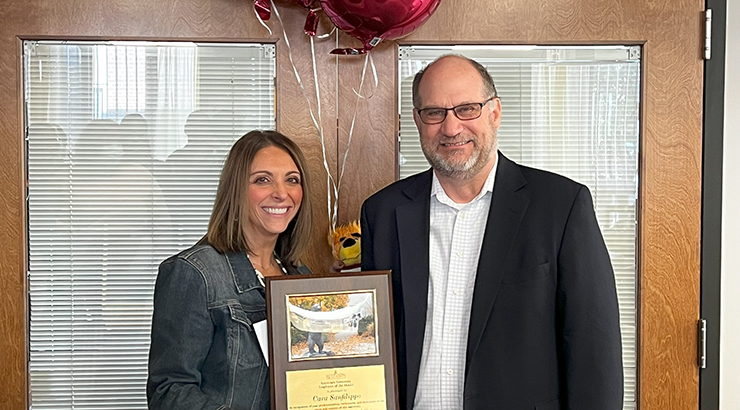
544 324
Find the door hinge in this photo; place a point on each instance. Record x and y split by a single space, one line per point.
707 34
702 336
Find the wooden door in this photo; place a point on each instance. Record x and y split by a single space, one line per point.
671 157
671 152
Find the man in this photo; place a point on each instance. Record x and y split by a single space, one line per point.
504 294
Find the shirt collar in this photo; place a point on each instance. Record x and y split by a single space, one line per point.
441 195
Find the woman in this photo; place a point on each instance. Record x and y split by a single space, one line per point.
204 353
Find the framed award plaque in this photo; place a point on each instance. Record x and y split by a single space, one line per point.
331 342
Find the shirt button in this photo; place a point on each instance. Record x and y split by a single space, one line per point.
452 331
449 372
462 215
457 292
458 253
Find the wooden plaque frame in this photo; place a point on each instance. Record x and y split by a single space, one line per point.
283 363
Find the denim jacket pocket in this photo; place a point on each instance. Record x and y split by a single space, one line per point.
250 368
239 315
244 339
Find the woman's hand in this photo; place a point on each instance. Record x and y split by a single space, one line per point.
337 266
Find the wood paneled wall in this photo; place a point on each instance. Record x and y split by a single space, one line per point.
670 184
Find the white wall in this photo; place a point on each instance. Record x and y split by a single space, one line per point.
729 392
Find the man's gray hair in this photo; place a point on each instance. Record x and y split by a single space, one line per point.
489 88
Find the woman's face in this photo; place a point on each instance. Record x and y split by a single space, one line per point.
274 194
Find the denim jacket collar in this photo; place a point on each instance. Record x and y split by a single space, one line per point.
245 278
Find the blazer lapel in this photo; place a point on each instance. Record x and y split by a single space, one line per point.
412 220
508 206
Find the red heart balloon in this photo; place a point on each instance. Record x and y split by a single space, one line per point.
372 21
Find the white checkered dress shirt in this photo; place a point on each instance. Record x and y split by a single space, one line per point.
455 238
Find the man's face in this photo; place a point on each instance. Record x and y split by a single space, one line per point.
456 148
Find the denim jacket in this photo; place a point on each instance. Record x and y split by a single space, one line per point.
204 354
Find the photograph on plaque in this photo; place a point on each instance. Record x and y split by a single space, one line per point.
331 325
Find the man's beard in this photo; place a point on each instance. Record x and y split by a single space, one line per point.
450 167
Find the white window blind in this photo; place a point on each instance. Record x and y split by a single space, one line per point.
125 144
570 110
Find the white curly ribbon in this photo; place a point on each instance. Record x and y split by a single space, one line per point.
359 95
260 20
332 186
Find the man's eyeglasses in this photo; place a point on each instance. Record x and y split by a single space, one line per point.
465 112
